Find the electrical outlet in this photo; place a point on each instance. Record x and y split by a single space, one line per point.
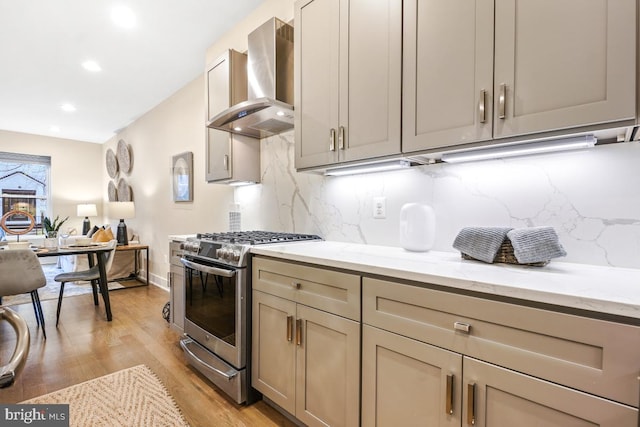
379 207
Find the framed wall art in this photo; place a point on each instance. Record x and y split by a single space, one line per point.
182 177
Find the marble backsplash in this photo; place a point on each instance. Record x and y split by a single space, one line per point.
591 198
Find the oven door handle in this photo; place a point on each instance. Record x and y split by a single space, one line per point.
207 269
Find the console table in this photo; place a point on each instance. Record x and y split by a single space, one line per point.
137 248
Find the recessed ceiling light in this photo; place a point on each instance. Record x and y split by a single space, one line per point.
92 66
123 17
237 128
55 129
69 108
280 113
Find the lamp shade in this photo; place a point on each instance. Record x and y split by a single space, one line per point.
87 210
122 210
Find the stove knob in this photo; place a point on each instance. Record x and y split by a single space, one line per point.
236 256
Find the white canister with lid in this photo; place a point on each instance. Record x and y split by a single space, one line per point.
417 227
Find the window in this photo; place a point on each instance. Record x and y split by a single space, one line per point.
24 186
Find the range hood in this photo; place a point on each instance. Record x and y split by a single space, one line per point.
269 108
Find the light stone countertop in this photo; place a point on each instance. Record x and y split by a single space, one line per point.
614 291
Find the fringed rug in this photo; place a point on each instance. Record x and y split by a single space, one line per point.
52 289
132 397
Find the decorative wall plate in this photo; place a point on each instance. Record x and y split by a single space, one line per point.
124 191
124 157
113 193
112 163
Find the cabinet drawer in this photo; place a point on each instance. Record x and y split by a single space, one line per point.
596 356
331 291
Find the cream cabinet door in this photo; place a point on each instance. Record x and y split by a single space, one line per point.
408 383
317 51
348 66
176 285
328 369
274 350
370 79
499 397
218 151
563 63
448 73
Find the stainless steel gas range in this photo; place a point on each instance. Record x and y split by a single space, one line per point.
217 322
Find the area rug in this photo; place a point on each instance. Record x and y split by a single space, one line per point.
52 289
132 397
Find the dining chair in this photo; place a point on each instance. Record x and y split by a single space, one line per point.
9 372
91 275
21 272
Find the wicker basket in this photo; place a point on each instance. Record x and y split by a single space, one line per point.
505 255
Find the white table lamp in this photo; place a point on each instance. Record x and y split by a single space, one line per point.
122 211
87 210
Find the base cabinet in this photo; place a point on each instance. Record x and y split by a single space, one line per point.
411 383
307 361
457 360
176 287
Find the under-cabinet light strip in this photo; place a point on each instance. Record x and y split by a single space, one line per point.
374 167
537 147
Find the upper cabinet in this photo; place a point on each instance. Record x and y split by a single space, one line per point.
348 57
230 158
483 69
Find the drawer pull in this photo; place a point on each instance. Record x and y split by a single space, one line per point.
296 285
289 328
449 397
482 105
332 139
462 327
502 101
299 332
471 404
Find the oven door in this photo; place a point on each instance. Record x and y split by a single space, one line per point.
215 308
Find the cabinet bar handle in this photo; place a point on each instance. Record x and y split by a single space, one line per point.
481 106
289 328
225 160
299 332
341 138
471 404
502 100
462 327
449 397
332 139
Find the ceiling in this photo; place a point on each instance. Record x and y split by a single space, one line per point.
45 42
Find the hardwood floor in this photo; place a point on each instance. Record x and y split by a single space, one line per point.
86 346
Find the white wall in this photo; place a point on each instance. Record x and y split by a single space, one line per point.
75 171
173 127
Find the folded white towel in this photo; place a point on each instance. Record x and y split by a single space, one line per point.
535 244
481 243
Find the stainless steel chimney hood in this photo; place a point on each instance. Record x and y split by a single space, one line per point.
269 108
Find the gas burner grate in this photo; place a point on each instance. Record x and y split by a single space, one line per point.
256 237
